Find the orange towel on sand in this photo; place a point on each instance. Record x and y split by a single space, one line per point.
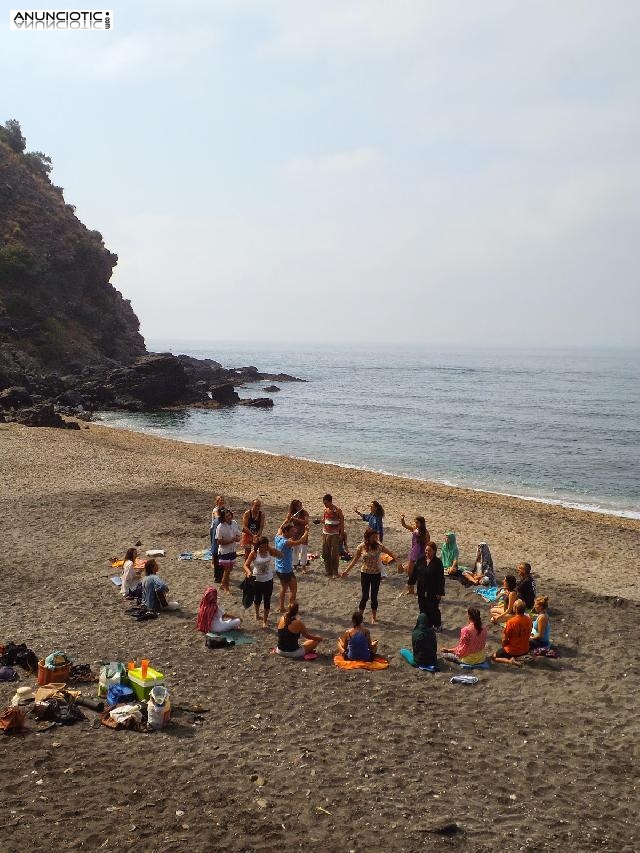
376 663
386 559
118 564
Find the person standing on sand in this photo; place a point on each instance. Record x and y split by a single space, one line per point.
332 535
370 551
216 517
285 543
419 539
428 576
252 526
299 517
227 535
373 517
260 565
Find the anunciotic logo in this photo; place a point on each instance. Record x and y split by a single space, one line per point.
61 20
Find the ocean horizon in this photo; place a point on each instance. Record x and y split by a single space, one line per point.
559 426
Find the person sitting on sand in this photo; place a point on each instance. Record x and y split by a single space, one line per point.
154 589
290 628
300 518
541 630
419 539
370 552
131 577
373 517
449 554
505 600
515 637
526 585
285 542
356 643
424 645
252 526
482 572
473 639
221 621
227 535
259 565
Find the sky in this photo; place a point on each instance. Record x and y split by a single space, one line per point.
351 171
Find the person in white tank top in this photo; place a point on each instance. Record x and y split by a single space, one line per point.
259 565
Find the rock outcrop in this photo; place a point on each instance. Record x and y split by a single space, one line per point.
68 338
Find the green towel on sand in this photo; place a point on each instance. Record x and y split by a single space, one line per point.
240 637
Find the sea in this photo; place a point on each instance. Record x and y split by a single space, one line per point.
558 426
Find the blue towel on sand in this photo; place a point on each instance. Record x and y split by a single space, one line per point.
408 656
489 593
196 555
116 580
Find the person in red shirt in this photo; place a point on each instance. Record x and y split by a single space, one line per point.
515 637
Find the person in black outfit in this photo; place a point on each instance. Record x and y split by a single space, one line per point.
428 576
526 587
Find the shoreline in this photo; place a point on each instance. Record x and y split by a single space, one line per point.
631 515
564 544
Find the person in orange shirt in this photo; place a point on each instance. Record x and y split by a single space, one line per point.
515 637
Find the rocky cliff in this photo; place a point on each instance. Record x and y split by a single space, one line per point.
58 311
69 341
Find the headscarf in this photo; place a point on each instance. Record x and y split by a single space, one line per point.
422 629
449 550
487 563
208 609
485 557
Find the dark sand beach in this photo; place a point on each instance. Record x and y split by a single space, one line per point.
301 756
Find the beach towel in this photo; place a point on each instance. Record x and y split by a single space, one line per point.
489 593
307 656
386 559
116 579
155 552
464 679
545 652
407 655
376 663
196 555
240 638
118 564
484 665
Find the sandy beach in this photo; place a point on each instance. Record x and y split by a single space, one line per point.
298 756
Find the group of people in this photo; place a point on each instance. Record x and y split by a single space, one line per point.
425 571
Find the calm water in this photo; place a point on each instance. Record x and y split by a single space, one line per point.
551 425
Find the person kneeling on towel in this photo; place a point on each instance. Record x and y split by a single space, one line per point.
356 643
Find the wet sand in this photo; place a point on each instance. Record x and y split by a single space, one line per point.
296 755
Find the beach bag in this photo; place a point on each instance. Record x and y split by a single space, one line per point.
213 642
118 693
112 673
12 721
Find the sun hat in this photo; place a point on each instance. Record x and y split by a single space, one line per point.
22 695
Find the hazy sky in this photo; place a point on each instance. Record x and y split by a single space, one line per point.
351 170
